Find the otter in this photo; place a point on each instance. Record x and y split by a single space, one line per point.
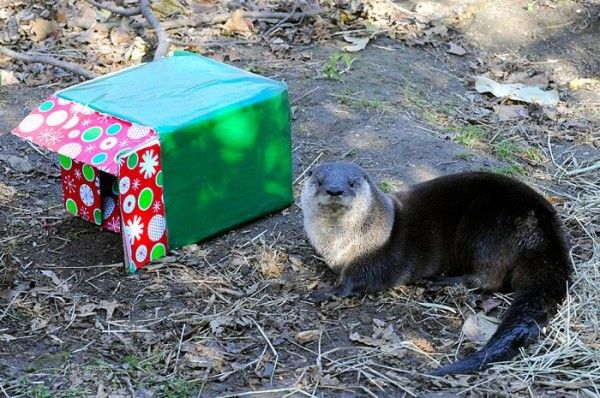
486 230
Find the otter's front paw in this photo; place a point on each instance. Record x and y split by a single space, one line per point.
321 296
329 294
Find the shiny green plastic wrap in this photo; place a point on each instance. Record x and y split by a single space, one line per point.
224 136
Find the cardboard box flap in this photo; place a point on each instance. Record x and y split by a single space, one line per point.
173 92
80 133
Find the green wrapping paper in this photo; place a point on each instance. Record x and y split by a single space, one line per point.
224 137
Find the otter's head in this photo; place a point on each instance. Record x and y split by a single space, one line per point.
335 188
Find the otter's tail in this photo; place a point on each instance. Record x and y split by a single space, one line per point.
521 326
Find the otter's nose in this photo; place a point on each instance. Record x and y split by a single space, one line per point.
335 191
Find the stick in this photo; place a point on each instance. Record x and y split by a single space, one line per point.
4 391
179 349
44 59
308 168
583 170
304 95
126 12
278 24
270 346
161 35
220 18
9 304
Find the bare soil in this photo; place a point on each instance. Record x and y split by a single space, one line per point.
222 318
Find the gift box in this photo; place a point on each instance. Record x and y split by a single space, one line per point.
169 152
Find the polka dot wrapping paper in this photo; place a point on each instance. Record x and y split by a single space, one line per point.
169 152
94 149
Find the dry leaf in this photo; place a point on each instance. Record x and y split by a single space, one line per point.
354 336
109 306
295 262
556 200
511 112
40 29
86 17
307 336
479 328
455 49
237 24
516 91
119 37
7 78
423 344
489 304
576 84
64 286
165 8
358 43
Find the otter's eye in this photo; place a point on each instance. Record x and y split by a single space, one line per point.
352 184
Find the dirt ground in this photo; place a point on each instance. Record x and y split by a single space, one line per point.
228 316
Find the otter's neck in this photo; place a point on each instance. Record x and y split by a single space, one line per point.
343 238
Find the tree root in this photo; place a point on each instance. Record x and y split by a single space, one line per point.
45 59
161 35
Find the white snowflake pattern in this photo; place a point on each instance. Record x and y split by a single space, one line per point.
136 184
69 184
136 228
123 143
103 118
86 122
51 137
78 174
83 212
90 148
113 224
148 164
76 109
156 207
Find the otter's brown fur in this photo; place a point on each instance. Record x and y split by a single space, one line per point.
487 230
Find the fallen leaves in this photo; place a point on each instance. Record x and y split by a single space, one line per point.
307 336
237 24
91 309
479 327
358 43
455 49
511 112
517 91
41 29
579 83
7 78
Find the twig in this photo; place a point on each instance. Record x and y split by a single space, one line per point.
308 168
270 346
4 391
304 95
209 44
278 24
44 59
222 17
179 349
9 304
126 12
161 35
583 170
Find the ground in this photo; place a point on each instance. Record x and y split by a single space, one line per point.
228 316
